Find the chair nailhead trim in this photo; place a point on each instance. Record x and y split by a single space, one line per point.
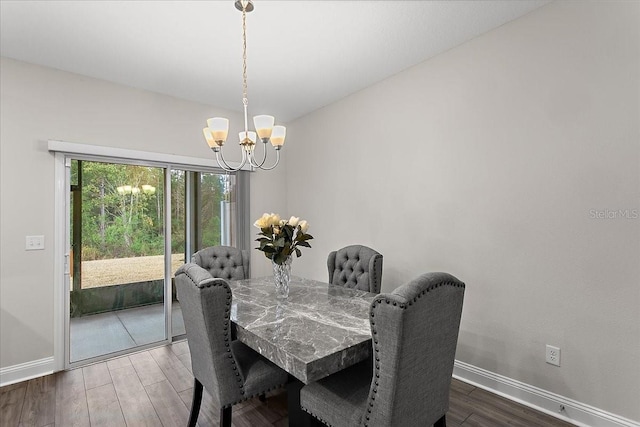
253 395
322 420
227 342
226 324
374 304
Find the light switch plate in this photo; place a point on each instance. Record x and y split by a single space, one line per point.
34 243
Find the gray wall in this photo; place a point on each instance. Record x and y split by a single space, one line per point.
38 104
486 162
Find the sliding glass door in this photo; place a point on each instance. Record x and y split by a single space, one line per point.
130 228
117 298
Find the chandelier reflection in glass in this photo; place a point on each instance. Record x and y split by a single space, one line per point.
218 127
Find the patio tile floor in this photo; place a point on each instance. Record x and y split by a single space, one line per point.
107 333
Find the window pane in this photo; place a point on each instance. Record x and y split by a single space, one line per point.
201 210
117 297
216 207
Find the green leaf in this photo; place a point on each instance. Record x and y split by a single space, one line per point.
298 253
305 244
288 231
280 258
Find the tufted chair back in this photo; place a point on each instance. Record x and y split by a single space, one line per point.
206 305
356 267
415 332
225 262
229 370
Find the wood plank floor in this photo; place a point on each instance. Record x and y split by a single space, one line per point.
154 388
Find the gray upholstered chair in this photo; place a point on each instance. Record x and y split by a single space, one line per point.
415 332
225 262
356 267
229 370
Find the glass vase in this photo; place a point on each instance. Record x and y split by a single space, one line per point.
281 277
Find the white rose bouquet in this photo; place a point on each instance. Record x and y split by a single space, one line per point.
281 238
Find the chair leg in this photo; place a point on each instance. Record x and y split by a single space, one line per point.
225 417
442 422
297 417
195 403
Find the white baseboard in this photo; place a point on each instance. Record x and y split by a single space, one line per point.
26 371
552 404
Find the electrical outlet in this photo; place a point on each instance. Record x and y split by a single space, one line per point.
553 355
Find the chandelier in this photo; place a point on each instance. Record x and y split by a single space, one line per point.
218 127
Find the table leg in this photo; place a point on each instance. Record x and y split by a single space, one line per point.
297 417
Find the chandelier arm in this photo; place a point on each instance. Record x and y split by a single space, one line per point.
224 165
264 157
275 164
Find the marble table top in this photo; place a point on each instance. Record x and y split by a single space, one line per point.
318 330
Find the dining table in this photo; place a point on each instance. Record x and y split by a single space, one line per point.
317 330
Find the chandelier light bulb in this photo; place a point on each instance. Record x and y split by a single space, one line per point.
264 125
242 136
219 129
277 136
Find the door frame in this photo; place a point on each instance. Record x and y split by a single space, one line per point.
63 153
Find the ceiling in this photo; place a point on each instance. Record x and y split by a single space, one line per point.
302 55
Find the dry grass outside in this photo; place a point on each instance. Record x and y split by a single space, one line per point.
118 271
